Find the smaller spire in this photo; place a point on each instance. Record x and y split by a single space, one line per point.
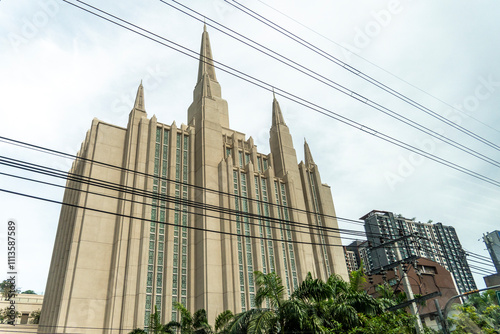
307 154
139 99
277 115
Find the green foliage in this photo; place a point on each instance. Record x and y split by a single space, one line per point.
138 331
155 326
189 324
334 306
29 292
5 315
357 279
270 288
223 320
480 313
5 288
35 317
330 307
387 323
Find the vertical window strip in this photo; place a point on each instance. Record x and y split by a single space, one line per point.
177 218
283 246
261 230
153 229
248 243
265 205
184 248
240 250
289 236
161 227
319 222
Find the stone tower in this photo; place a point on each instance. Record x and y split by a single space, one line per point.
156 214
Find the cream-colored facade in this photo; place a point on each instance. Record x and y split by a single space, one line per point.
157 214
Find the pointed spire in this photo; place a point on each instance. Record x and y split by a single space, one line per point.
277 115
139 99
307 154
206 59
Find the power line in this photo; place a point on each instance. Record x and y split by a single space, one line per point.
180 201
332 84
353 70
53 172
163 197
162 178
294 98
14 163
110 185
379 67
479 256
164 223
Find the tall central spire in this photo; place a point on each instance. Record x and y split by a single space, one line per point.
206 66
277 115
208 104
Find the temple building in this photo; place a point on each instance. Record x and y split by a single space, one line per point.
156 214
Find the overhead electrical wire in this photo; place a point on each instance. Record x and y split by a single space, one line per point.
260 84
332 84
162 178
15 163
179 201
161 198
355 71
379 67
479 256
289 96
63 174
197 205
30 167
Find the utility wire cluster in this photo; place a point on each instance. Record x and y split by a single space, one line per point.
206 210
43 170
311 105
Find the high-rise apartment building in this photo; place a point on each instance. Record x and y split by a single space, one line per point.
351 260
155 214
492 241
436 242
355 255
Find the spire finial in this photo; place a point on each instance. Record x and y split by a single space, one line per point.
307 154
206 58
277 115
139 99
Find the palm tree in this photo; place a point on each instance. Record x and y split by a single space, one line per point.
223 320
334 306
190 324
138 331
388 297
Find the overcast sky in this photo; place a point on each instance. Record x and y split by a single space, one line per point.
60 67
